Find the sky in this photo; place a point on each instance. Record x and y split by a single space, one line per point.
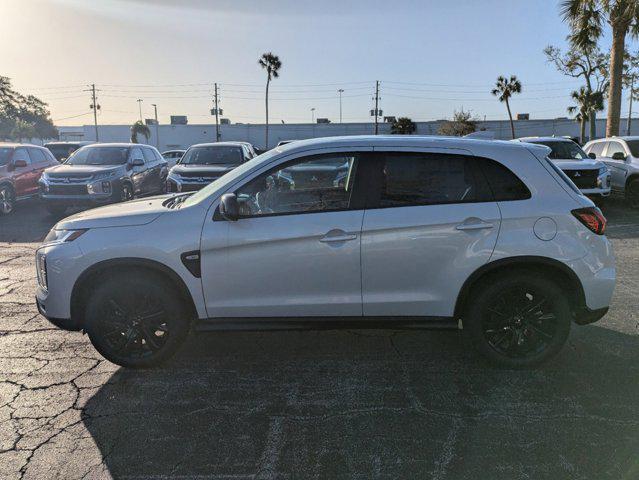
431 57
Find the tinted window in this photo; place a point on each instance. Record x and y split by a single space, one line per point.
213 155
61 151
21 154
5 155
310 184
37 155
148 155
614 147
157 155
99 156
633 145
430 179
504 184
564 150
597 148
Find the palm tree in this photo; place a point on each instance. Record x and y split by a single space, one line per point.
272 64
504 89
403 126
139 128
586 19
587 104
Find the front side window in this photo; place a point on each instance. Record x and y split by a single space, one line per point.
5 155
213 155
633 145
312 184
99 156
148 155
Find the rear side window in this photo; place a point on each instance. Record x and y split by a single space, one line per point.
614 147
504 184
597 148
410 179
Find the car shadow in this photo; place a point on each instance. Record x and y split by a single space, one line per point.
370 404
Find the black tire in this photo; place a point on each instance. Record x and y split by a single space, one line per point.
7 200
632 193
136 320
126 192
56 210
518 320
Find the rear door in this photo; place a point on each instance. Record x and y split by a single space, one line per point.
430 222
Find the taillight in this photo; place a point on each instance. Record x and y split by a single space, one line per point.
592 218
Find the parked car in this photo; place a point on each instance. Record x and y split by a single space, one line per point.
172 157
621 156
284 142
206 162
426 231
20 167
103 173
63 150
589 175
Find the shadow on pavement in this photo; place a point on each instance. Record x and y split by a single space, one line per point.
372 404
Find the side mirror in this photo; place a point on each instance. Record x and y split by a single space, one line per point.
592 155
618 156
137 162
20 163
229 207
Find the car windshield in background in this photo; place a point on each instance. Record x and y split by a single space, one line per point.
5 154
564 151
634 147
99 156
213 155
60 152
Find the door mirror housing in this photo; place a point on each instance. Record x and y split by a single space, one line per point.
618 156
136 162
20 163
229 207
592 155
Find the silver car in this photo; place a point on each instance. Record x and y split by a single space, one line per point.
621 156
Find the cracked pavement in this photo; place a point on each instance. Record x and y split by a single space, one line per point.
329 404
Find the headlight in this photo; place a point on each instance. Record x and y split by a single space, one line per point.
61 236
603 170
173 175
41 270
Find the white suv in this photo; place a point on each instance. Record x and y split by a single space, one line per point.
420 231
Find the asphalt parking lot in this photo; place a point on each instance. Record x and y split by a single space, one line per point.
330 404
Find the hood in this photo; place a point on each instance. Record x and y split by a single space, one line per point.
180 169
64 170
586 164
127 214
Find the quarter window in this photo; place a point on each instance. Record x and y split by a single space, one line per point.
504 184
317 183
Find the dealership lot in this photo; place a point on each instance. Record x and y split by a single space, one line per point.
351 404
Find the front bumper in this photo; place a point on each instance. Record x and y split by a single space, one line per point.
79 200
63 323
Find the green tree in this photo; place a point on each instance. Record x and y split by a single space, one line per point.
590 64
272 64
30 109
139 128
463 123
403 126
504 89
586 19
22 130
587 103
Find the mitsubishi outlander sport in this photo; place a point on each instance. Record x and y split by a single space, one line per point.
488 235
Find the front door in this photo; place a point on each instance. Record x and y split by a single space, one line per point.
431 223
295 251
618 167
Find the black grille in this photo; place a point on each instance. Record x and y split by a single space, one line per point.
67 189
207 176
191 187
583 178
72 176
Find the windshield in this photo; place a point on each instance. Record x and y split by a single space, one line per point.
634 147
5 154
62 151
212 155
564 150
99 156
230 177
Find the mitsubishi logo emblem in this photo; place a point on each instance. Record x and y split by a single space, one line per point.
67 180
577 174
313 178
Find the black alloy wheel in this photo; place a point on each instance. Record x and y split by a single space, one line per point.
7 200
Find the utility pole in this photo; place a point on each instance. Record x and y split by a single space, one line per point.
376 105
632 91
217 117
340 91
95 107
157 127
139 100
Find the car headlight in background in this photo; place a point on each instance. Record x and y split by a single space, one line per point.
99 187
61 236
41 270
603 170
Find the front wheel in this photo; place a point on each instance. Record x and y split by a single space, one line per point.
136 320
7 200
127 193
518 321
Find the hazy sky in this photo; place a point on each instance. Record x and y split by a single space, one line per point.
431 56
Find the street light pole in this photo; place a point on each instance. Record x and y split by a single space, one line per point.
313 115
340 91
140 105
157 127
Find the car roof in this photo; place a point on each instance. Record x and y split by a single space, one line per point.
117 144
15 145
544 139
83 142
225 144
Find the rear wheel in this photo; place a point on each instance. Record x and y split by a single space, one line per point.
518 320
7 200
632 193
136 320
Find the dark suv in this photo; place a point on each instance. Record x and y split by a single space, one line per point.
63 150
103 173
205 162
20 168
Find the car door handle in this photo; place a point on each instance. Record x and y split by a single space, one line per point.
345 237
474 226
